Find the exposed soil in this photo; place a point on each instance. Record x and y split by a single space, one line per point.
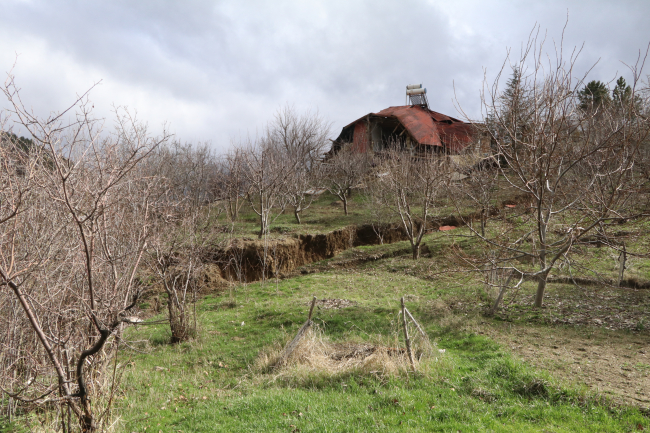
253 260
334 304
614 363
598 305
249 260
245 260
608 308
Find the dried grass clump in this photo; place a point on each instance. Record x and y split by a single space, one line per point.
315 355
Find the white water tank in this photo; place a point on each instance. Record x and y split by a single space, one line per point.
416 91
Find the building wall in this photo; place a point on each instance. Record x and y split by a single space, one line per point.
360 140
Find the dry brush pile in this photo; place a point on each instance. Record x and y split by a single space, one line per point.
311 355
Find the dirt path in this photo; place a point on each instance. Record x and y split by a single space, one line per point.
614 363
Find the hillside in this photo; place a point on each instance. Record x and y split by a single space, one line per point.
577 364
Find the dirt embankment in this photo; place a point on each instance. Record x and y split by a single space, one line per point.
248 260
253 260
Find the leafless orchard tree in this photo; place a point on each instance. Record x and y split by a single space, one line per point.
73 230
231 185
192 171
408 186
575 166
301 190
267 173
478 189
380 216
644 154
17 185
301 139
344 171
183 178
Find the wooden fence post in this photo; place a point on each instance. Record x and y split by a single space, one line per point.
406 336
294 343
417 325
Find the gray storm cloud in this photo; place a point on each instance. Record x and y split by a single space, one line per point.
216 71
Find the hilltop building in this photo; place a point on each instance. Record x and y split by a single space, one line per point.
412 127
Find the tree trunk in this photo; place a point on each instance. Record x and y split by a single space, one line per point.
622 259
416 251
233 210
263 224
296 213
541 288
345 204
87 422
262 219
497 302
483 218
177 322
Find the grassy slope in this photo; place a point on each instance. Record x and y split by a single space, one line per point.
211 384
324 215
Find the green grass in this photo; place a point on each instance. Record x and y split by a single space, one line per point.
213 384
324 215
475 385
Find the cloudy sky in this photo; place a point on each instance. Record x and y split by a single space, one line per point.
216 71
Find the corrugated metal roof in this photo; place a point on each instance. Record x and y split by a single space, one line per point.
428 127
417 121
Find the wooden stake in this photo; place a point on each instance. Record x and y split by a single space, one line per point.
311 309
415 322
294 343
406 335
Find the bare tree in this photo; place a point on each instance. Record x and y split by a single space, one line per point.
183 191
408 186
301 189
266 171
574 166
478 188
344 171
69 254
301 139
231 185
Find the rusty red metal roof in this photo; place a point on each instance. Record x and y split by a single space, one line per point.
417 121
428 127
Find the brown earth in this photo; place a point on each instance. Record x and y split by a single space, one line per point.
613 363
245 260
252 260
334 304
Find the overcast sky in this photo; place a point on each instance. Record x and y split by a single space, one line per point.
216 71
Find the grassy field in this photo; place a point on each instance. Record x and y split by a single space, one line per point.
477 380
576 365
324 215
471 384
